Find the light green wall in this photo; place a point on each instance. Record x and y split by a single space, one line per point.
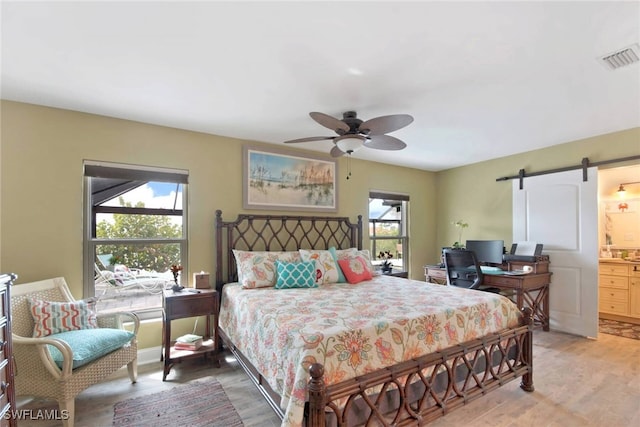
42 150
41 181
472 194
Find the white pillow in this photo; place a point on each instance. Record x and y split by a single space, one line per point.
326 266
257 269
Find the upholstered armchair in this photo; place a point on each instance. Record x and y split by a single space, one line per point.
62 363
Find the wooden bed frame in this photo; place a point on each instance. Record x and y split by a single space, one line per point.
409 393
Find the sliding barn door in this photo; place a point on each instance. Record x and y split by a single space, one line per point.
560 211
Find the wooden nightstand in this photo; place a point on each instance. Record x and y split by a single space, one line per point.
435 274
188 303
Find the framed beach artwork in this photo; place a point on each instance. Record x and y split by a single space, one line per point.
275 179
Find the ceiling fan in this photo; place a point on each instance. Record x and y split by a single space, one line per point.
354 133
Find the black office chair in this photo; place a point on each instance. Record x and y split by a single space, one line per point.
463 271
462 268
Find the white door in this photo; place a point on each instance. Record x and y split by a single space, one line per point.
560 210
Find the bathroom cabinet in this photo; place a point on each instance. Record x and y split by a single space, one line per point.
619 287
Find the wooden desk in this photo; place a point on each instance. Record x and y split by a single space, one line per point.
178 305
531 290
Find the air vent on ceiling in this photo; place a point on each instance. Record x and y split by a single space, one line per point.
622 57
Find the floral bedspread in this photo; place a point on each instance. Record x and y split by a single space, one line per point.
352 329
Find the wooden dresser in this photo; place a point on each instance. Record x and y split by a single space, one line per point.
619 284
7 391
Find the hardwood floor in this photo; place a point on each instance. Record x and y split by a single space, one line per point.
578 382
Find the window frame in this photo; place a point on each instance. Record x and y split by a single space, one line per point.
403 222
90 242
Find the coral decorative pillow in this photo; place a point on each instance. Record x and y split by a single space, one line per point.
326 267
55 317
355 269
257 269
296 275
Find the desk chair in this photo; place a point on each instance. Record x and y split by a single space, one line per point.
463 269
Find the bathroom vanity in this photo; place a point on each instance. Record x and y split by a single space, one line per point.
619 283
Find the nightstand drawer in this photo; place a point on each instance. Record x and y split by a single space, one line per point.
613 282
189 305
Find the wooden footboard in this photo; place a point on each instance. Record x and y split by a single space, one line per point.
454 377
416 391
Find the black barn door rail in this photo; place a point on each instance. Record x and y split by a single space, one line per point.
584 165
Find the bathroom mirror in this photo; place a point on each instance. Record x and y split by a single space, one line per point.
621 223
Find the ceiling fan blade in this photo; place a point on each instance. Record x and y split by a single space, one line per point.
336 152
385 142
311 138
330 122
385 124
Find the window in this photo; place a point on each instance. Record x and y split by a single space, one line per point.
135 230
388 232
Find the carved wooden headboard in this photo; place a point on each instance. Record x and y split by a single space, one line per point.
279 233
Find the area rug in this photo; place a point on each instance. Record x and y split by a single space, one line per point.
621 329
196 404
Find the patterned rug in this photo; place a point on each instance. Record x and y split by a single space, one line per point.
621 329
196 404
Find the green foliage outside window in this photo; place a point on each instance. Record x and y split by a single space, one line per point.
151 257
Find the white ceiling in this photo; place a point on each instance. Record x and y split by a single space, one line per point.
482 79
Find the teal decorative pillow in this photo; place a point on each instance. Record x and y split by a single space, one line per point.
341 254
296 275
90 344
52 317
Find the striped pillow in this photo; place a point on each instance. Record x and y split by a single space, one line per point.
51 317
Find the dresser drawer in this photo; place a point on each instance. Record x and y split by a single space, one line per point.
3 337
614 269
4 384
613 282
634 270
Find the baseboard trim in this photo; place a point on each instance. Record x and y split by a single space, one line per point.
149 355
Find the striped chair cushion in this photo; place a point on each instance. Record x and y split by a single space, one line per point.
54 317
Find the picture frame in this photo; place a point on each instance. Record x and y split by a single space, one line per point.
289 181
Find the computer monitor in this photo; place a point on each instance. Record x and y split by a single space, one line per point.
487 251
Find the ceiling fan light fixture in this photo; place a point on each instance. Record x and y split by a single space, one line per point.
350 143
